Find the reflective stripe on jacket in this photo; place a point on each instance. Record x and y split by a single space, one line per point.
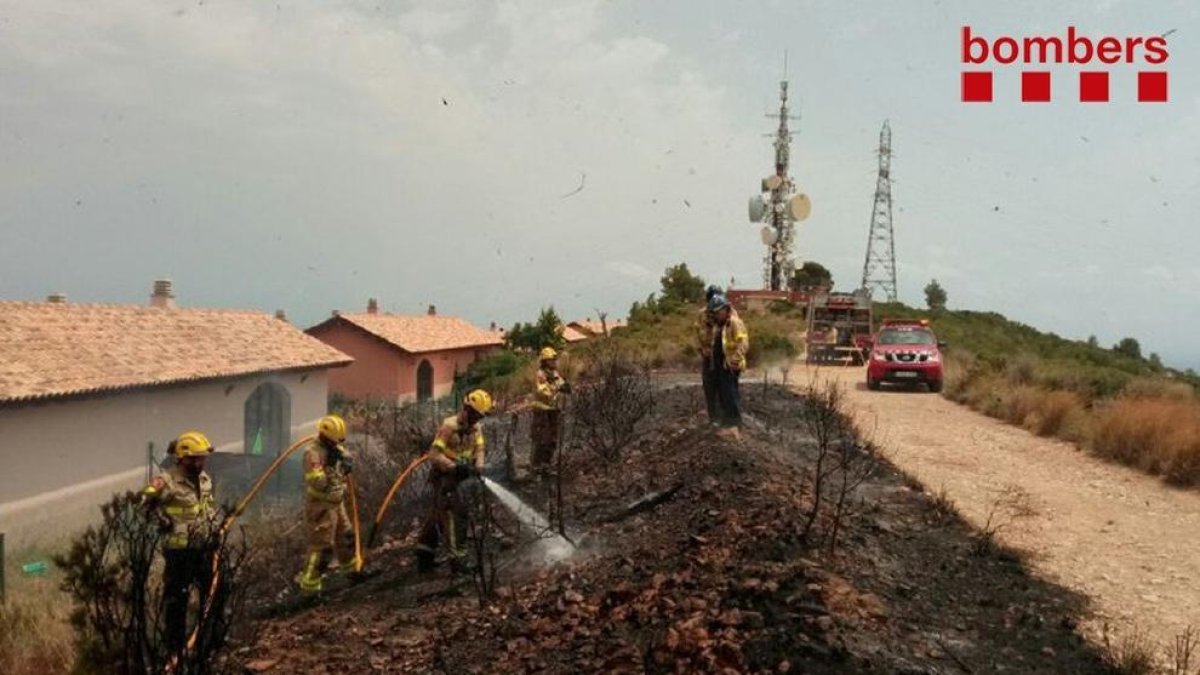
186 505
455 443
545 394
324 480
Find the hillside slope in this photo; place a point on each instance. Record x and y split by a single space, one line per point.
1123 408
715 579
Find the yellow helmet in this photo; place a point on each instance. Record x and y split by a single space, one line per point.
192 444
480 401
332 427
548 354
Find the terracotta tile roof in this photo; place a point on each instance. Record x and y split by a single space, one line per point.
420 333
51 350
574 335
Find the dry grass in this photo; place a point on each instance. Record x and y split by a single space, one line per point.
1154 424
1129 653
1159 435
1159 388
35 636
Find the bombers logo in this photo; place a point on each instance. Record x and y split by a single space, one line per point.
1074 49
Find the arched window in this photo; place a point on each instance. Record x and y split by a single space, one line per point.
268 420
424 381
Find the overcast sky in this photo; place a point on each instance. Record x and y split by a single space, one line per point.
307 155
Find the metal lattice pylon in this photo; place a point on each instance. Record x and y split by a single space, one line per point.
879 269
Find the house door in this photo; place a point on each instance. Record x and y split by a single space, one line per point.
268 413
424 381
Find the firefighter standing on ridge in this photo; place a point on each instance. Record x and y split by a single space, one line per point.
327 465
547 411
181 498
457 453
730 343
704 339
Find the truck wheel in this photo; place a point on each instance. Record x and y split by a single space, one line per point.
872 384
935 387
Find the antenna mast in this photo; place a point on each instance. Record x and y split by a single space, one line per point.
778 264
782 207
879 269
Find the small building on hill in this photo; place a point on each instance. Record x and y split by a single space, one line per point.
571 334
91 394
593 328
760 299
402 358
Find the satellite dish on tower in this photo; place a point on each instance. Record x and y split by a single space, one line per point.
757 208
799 207
771 183
769 236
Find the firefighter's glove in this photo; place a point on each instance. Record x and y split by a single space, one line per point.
462 471
565 387
165 526
346 462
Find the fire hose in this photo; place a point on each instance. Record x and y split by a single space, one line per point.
228 523
387 500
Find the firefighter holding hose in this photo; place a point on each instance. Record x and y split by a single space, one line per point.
181 499
327 467
457 453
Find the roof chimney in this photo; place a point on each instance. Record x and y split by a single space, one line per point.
162 297
281 315
372 306
432 311
492 327
336 312
56 299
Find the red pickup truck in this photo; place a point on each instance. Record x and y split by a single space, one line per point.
905 352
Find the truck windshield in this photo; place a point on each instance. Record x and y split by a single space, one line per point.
906 337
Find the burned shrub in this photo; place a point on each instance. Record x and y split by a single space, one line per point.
113 572
615 395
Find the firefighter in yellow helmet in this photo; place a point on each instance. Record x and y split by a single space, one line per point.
181 499
457 453
547 411
327 464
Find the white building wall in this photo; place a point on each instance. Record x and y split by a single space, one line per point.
58 460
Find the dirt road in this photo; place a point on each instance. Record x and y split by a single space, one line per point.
1124 539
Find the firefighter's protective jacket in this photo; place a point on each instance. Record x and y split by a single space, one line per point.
187 504
735 340
457 443
324 473
546 393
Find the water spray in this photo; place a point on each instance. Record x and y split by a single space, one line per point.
557 547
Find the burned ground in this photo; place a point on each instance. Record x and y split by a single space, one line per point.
716 578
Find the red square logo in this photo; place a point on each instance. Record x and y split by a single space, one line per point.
1035 86
1093 86
976 87
1152 86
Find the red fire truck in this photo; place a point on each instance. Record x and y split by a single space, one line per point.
838 328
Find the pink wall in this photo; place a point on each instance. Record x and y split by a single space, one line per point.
375 370
445 365
382 371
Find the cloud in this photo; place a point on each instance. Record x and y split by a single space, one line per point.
391 149
629 269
